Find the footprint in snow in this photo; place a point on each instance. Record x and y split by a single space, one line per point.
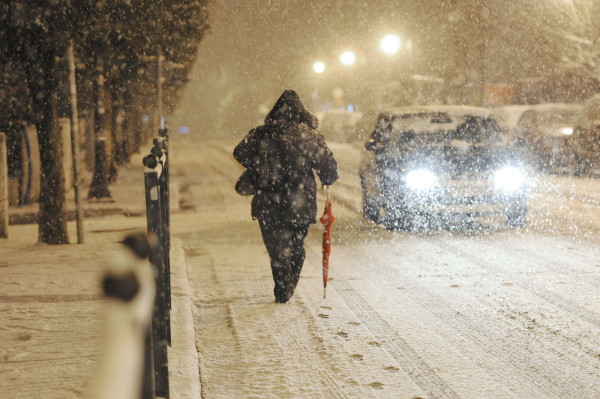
24 337
343 334
354 323
323 315
391 369
326 307
373 343
357 357
376 385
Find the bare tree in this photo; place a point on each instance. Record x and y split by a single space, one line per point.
569 32
113 40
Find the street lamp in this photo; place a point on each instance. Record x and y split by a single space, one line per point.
348 57
390 44
319 67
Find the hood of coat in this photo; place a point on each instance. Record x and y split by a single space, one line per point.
289 108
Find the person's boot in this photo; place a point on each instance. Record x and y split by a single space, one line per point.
281 294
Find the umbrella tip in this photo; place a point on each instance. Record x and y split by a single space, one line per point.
324 291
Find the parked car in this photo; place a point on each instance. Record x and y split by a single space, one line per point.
339 125
588 137
508 116
425 164
546 134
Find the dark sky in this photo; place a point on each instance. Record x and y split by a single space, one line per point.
257 48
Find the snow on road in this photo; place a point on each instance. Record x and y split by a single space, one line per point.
487 312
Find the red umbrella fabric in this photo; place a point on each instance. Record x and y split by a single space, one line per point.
327 221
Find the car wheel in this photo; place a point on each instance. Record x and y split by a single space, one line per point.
516 215
581 168
370 208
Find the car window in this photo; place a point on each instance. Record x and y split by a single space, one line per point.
492 131
527 120
557 117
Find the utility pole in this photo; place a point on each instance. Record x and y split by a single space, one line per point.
159 88
3 187
75 143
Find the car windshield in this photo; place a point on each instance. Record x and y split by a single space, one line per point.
440 128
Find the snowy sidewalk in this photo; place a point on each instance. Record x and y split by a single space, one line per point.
51 301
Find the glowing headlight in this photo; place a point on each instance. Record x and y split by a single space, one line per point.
420 180
509 179
566 130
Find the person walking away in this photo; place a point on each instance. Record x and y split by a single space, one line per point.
281 156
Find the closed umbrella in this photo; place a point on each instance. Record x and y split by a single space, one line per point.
327 221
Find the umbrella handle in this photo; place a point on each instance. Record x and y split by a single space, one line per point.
326 189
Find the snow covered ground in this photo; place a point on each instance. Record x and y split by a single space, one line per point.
485 312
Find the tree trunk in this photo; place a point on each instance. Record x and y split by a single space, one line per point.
111 138
41 79
137 125
128 127
99 184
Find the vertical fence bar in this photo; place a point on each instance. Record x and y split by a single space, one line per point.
147 374
160 149
154 212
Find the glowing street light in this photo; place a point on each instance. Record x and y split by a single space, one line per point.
319 67
348 58
390 44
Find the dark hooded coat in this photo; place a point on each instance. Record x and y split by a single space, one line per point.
286 150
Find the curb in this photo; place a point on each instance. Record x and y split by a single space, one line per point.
184 374
31 217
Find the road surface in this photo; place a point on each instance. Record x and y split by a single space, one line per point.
477 312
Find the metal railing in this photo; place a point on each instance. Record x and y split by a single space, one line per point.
133 361
156 181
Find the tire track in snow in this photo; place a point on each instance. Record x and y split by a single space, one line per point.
486 344
577 346
478 257
472 340
482 350
419 371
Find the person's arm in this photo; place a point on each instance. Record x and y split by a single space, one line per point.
325 164
246 152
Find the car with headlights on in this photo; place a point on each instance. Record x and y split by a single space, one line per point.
427 164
